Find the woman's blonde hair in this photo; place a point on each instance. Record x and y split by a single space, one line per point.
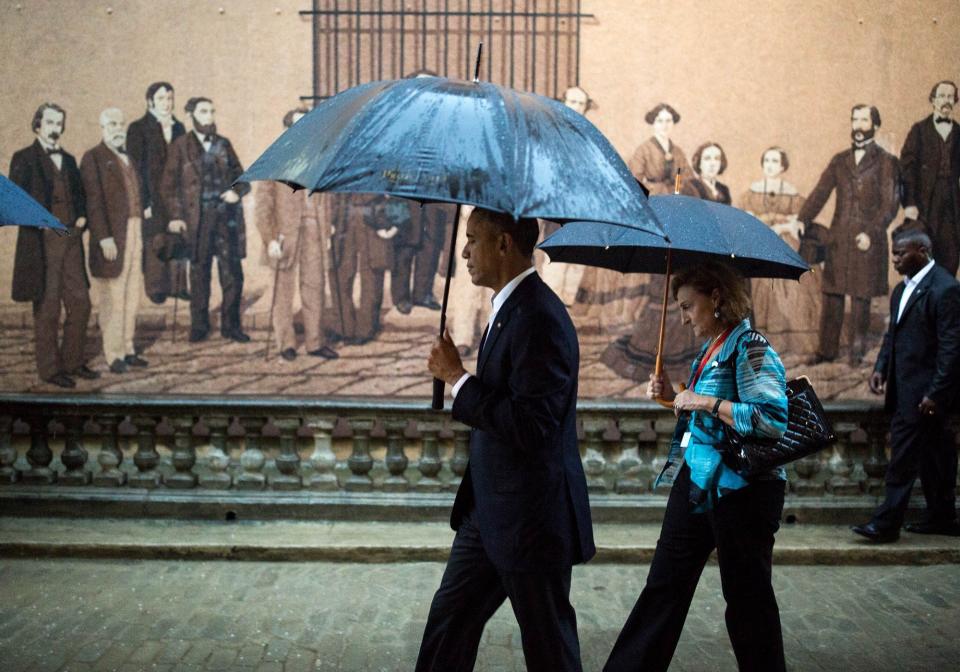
708 276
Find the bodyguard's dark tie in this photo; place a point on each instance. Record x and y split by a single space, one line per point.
483 339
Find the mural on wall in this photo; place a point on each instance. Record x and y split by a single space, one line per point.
337 294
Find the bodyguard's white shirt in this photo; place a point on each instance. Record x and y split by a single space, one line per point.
910 284
498 300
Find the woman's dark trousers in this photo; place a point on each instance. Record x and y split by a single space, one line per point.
741 528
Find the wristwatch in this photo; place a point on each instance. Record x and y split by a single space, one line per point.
716 407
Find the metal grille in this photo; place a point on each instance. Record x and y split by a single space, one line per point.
533 45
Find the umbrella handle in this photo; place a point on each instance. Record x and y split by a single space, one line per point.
658 366
437 401
669 404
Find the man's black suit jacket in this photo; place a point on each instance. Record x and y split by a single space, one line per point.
524 485
33 171
920 355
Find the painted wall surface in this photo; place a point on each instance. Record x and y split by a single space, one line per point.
747 75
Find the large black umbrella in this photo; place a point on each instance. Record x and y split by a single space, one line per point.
434 139
697 230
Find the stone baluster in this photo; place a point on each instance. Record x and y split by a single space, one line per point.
323 460
631 477
430 463
461 454
184 455
840 463
252 459
805 483
396 459
8 454
360 462
217 477
594 462
39 455
74 455
110 457
288 461
146 459
875 465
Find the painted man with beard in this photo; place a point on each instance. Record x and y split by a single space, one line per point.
148 139
202 204
867 181
48 268
114 209
930 161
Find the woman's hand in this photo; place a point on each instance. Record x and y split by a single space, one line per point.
660 387
688 401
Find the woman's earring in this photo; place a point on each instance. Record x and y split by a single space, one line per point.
716 313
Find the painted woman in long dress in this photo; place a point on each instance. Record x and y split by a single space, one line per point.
786 311
611 299
655 163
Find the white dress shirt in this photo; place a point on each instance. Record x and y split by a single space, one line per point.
942 129
498 300
910 284
57 158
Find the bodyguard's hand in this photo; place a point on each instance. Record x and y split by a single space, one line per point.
109 249
928 407
177 226
876 383
444 361
230 197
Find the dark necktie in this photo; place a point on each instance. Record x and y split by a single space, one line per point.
51 152
942 120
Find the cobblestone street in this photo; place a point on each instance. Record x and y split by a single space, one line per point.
161 616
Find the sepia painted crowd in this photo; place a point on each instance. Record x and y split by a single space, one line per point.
159 203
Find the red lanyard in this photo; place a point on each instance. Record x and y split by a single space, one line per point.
706 358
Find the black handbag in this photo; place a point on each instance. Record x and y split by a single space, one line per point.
808 431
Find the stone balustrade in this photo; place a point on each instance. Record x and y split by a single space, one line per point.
272 457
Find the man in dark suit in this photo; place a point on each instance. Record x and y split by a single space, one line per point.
919 368
362 247
202 203
866 179
930 161
48 268
114 210
147 141
521 513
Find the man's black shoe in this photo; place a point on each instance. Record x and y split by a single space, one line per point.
325 352
118 366
135 360
358 340
949 529
289 354
429 302
197 335
404 307
235 335
875 534
85 372
61 380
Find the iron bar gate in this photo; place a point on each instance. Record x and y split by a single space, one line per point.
533 45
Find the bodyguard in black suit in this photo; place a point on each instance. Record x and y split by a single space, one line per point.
521 513
919 367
